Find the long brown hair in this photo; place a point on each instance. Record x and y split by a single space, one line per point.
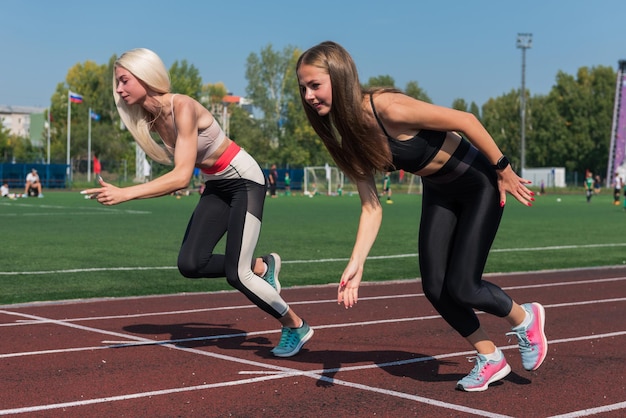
344 130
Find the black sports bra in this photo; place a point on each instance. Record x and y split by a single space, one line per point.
414 153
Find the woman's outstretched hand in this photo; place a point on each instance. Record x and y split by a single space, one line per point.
348 292
510 182
107 194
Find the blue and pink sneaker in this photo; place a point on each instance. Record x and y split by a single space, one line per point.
484 372
533 345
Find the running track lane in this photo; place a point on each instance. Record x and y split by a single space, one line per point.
391 355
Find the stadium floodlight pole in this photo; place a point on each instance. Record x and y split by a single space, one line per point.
48 134
524 41
68 172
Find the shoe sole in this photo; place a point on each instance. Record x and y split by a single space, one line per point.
277 264
498 376
295 351
542 320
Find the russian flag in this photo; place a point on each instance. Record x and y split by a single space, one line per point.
75 97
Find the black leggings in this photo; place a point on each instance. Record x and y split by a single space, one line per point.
460 217
232 202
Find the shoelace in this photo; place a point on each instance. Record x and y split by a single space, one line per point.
522 339
476 371
288 338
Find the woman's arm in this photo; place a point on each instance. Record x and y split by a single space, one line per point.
176 179
369 224
406 114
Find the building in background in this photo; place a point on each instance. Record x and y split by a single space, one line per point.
24 121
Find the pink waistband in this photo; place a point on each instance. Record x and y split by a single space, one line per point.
224 159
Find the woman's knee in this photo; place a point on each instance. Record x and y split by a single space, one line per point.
235 277
189 267
188 270
467 295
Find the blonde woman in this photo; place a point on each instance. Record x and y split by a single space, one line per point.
234 194
465 186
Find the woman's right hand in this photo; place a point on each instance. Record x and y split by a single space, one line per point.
348 292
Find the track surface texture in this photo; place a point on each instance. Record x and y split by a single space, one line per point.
208 355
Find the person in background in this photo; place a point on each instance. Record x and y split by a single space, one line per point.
387 187
233 198
466 182
589 186
97 168
33 182
273 180
4 189
597 184
287 184
618 183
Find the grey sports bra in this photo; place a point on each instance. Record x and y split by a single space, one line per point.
209 139
414 153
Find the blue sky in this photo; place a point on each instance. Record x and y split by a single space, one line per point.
453 49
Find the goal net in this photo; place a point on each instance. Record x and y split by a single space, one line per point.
326 180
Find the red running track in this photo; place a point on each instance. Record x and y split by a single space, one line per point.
199 355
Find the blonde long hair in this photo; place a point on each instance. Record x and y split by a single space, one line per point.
344 130
148 68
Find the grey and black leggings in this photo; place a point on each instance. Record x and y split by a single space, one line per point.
460 217
232 204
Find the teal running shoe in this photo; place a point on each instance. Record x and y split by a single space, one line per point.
273 269
292 340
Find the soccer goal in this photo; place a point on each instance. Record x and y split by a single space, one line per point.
326 180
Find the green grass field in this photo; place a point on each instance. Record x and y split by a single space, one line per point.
66 247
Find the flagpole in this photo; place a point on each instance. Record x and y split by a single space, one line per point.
89 148
69 127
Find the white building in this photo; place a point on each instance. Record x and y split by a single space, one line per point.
23 121
550 176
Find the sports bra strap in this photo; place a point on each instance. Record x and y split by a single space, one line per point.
376 116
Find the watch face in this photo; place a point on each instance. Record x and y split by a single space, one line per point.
502 163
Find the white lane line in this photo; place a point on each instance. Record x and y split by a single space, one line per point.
593 411
308 302
285 372
226 358
130 341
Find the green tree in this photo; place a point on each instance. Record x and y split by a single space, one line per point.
414 90
475 110
459 104
380 81
185 79
585 104
93 82
247 133
212 96
6 148
501 118
267 74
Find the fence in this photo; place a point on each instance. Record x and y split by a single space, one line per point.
52 176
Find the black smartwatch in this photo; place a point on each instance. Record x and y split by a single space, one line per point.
502 163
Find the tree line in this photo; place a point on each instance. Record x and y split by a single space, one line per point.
568 127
